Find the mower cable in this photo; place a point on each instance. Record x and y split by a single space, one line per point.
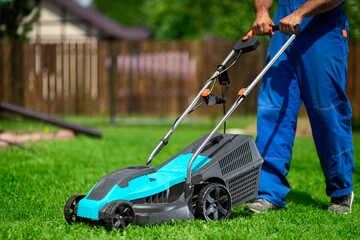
214 79
230 66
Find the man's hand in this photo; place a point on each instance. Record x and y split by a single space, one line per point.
261 24
287 24
263 20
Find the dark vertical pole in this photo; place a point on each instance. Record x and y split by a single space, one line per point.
112 89
1 72
17 72
77 87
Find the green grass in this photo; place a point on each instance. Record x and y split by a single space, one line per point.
36 183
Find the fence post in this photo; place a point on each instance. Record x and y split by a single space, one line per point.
2 89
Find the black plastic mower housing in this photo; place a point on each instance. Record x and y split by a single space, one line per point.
246 45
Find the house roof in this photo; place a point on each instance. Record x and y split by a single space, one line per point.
109 27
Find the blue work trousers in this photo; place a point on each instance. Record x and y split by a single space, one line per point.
312 70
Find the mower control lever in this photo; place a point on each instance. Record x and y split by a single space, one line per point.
213 99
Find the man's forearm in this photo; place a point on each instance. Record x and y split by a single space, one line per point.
314 7
262 20
262 6
308 9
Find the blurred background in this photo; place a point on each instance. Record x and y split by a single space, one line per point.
132 57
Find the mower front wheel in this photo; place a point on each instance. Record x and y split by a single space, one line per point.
69 208
214 202
118 215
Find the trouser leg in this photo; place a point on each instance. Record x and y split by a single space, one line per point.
322 83
278 105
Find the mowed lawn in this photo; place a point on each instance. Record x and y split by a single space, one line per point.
36 182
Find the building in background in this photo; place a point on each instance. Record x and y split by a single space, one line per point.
62 20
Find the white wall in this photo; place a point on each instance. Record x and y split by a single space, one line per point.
56 23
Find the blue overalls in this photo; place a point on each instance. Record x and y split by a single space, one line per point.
312 70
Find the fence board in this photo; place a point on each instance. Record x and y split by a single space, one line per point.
121 93
65 77
59 97
103 92
94 78
44 77
52 62
1 71
86 78
356 99
17 73
6 71
26 62
39 59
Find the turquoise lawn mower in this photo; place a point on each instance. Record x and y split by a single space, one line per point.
205 180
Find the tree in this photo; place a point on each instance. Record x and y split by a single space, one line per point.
187 19
352 9
17 18
126 12
183 19
197 19
227 18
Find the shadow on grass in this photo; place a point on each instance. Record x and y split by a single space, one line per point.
356 173
296 197
305 199
355 125
240 212
101 224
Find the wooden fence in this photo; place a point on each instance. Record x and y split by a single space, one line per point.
143 78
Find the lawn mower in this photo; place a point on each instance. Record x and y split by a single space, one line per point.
205 180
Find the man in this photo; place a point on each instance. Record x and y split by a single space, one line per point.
312 70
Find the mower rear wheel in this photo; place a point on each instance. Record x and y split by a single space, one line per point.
214 202
69 208
118 215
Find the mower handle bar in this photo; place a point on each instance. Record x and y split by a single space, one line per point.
165 139
234 51
297 29
272 29
243 94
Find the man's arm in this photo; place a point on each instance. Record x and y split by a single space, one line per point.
263 20
308 9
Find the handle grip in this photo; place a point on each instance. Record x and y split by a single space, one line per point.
297 29
272 29
275 27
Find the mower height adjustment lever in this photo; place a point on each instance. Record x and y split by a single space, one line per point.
212 99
